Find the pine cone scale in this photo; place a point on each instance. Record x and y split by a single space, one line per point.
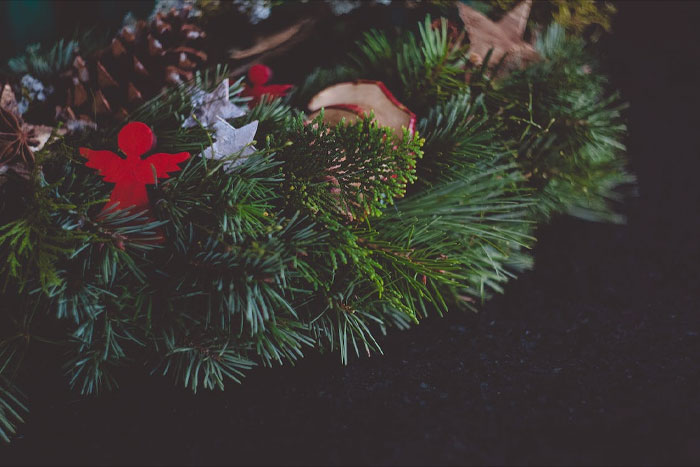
118 48
104 79
139 62
80 95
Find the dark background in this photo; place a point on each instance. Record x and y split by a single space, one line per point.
593 357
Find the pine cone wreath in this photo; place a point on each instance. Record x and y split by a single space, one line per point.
137 65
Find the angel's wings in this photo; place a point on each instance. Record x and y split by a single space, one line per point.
160 164
114 169
108 164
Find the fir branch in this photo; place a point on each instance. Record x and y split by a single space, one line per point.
12 408
567 133
44 64
475 222
459 135
208 362
421 70
352 171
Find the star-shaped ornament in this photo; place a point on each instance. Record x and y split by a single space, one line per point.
505 37
33 137
232 141
207 108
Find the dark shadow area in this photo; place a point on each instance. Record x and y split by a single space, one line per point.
25 22
593 357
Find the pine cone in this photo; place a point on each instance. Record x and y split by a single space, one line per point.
139 63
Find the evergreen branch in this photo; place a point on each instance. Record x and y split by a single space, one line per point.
362 167
422 70
208 362
44 64
566 132
11 408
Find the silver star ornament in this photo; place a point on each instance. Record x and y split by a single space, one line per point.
231 141
207 108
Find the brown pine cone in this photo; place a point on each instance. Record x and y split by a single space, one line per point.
139 63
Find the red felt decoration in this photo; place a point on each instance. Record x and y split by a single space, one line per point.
258 75
131 175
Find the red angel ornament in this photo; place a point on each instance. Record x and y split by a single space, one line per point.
259 75
131 175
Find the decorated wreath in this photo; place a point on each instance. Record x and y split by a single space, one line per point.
167 200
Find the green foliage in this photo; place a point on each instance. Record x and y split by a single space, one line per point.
323 238
458 135
13 341
472 225
565 129
421 69
46 63
271 115
42 63
207 362
365 167
11 408
30 246
575 16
